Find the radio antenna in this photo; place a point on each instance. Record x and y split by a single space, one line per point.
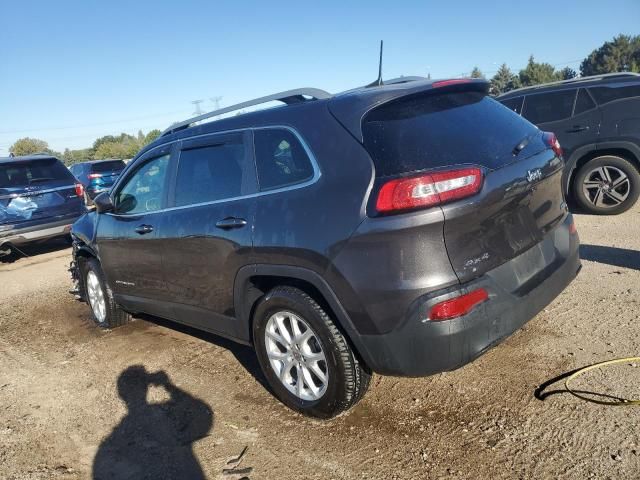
378 82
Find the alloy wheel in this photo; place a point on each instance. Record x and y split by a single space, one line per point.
606 186
96 297
296 356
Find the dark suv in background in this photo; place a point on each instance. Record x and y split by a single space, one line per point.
597 121
98 175
402 229
39 200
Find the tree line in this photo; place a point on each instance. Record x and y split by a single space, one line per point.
121 146
622 54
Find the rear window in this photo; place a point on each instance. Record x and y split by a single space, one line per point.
110 166
549 107
33 172
430 131
611 93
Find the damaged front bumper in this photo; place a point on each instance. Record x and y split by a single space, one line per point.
74 271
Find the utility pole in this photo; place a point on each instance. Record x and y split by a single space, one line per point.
216 102
198 110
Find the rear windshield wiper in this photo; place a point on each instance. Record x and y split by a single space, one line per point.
520 146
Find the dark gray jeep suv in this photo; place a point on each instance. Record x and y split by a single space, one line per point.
402 229
597 121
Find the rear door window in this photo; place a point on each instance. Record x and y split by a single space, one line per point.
514 104
281 159
219 170
584 102
549 107
438 130
609 93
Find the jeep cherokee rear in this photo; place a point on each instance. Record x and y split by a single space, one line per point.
401 229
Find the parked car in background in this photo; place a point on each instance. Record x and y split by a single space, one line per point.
597 121
39 200
98 175
402 229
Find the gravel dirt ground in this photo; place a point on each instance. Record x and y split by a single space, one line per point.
183 403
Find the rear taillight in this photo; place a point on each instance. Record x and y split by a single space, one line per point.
94 175
552 141
458 306
428 190
79 190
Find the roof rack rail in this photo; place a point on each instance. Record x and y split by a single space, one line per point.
288 97
578 80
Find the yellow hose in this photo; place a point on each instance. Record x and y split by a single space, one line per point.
621 402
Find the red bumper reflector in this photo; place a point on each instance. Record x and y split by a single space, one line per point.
458 306
572 228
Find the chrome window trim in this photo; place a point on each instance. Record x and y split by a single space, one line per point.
316 171
33 193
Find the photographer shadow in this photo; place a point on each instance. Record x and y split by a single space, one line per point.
153 440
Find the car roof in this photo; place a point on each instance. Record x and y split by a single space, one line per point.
573 83
27 158
350 105
93 162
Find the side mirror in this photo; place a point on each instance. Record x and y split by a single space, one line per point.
103 203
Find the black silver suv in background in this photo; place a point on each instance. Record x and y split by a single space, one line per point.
597 121
98 175
402 229
39 200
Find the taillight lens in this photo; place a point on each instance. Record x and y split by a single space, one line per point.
428 190
552 141
79 190
458 306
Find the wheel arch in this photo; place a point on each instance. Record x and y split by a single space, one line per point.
252 282
627 150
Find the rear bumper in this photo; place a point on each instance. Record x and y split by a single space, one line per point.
43 231
518 290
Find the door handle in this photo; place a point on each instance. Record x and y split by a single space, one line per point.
231 222
144 229
578 128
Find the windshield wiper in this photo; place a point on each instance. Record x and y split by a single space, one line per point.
520 146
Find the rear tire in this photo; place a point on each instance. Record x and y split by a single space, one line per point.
607 185
96 292
330 385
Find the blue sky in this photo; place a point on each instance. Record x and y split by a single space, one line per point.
73 70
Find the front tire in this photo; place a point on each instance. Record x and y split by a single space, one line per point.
607 185
304 356
104 310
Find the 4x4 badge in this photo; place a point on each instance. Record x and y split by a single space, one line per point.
533 175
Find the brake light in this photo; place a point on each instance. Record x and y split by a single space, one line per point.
79 190
453 81
458 306
552 141
428 190
94 175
